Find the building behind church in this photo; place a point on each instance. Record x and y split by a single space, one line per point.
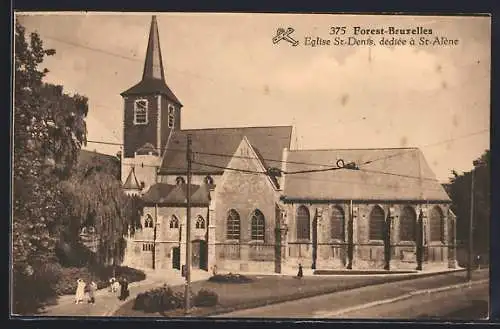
258 205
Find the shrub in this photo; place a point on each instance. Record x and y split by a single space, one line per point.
159 300
230 278
32 290
205 298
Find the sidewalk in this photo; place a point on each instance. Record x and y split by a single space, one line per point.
107 302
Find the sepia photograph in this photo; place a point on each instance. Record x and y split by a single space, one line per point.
250 165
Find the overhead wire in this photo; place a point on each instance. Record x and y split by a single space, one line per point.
310 163
75 44
331 168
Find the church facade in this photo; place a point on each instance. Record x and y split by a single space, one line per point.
259 206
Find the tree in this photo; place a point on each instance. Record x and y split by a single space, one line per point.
96 199
460 193
49 130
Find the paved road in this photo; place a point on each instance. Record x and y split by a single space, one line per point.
327 305
468 303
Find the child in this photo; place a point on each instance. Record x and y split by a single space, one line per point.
92 290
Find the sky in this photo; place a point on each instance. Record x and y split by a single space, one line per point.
227 72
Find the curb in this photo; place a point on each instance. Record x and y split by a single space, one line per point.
400 298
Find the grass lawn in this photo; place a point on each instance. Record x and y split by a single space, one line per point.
264 290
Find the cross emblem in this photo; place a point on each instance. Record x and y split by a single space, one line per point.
282 34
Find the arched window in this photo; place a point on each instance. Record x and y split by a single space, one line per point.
180 180
141 111
377 223
233 225
171 115
407 224
303 223
174 222
208 180
337 224
258 225
436 222
148 221
200 222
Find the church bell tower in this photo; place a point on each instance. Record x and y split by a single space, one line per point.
151 112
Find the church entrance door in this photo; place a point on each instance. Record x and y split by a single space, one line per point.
199 254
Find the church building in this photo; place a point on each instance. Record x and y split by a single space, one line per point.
259 206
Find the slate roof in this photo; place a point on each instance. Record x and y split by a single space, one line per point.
221 143
86 157
175 195
131 183
389 174
149 86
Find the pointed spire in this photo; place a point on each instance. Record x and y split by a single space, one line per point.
153 77
153 65
131 183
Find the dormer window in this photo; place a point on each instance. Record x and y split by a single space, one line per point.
148 221
209 180
171 115
141 111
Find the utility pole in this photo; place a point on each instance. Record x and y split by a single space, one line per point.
188 228
471 226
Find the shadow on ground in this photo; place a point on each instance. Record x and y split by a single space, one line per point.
477 310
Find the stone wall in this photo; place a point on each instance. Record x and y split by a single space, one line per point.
139 254
332 252
245 193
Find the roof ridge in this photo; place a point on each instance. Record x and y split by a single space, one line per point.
357 149
168 184
242 127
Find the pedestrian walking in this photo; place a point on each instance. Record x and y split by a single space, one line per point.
214 270
80 291
116 286
113 285
124 293
300 274
92 290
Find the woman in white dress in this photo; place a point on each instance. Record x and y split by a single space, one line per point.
80 291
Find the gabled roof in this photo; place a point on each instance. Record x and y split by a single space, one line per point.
216 146
131 183
176 195
385 174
